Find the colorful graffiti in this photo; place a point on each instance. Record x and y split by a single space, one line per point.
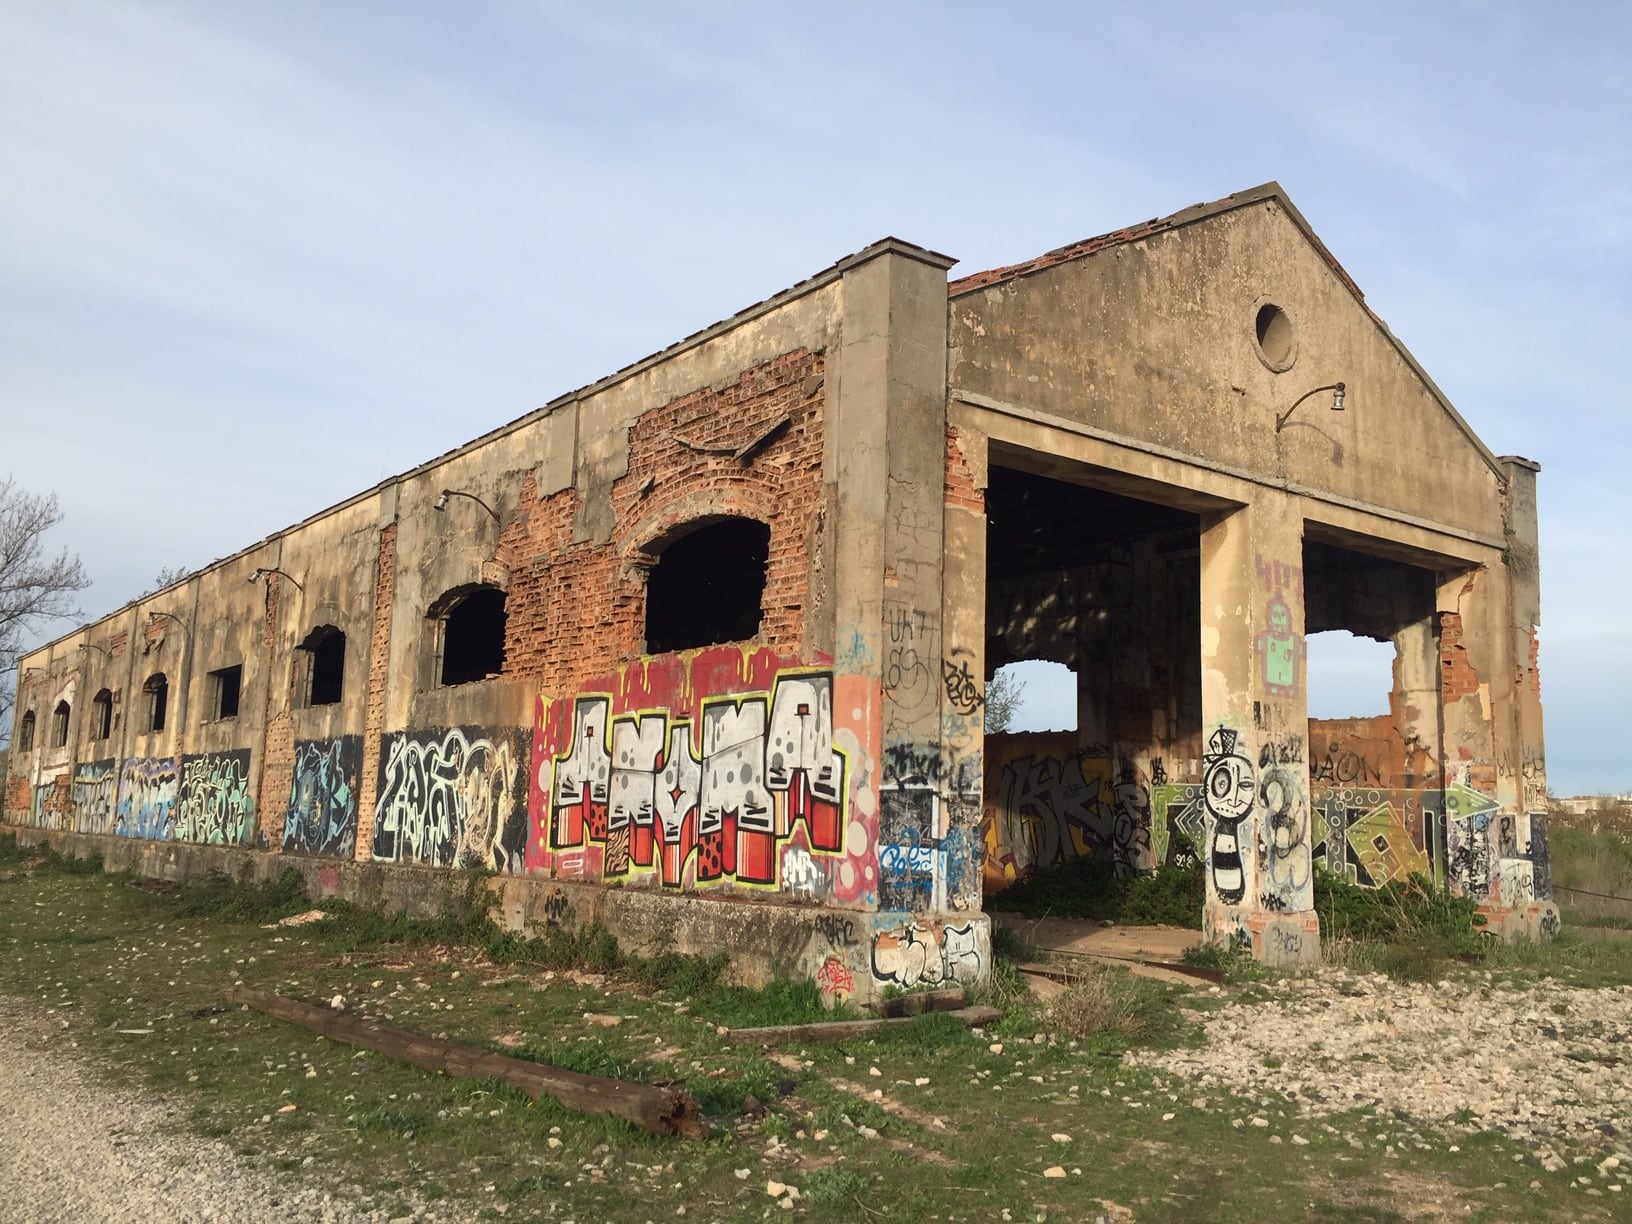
1282 649
147 797
451 798
96 791
215 806
1228 790
322 814
919 953
1049 801
695 770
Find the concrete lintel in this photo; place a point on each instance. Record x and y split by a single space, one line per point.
1037 416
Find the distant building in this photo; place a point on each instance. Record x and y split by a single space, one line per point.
717 628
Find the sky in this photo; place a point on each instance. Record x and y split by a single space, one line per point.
256 257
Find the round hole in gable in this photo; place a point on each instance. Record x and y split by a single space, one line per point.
1277 341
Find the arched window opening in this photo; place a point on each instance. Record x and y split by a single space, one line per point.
325 664
157 693
473 636
708 586
59 725
25 732
102 715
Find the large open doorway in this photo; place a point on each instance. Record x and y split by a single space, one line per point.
1376 782
1106 585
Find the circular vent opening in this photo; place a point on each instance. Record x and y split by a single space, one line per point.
1277 344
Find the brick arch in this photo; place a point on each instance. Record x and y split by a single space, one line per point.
684 514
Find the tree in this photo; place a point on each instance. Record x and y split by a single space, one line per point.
34 589
167 574
1002 700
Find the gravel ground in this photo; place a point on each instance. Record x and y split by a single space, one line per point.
75 1149
1550 1066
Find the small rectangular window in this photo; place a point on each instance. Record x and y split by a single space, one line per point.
224 688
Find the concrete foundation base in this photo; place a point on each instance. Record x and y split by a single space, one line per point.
852 954
1286 941
1536 922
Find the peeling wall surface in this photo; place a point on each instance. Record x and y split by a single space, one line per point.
1106 457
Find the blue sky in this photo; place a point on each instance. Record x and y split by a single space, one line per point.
255 257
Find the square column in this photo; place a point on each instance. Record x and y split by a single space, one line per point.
1255 728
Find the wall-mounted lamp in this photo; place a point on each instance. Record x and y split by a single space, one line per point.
261 572
153 618
84 646
1338 391
441 502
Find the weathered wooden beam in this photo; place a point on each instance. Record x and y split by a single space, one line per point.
840 1030
663 1111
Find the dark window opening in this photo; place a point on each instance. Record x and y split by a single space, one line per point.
325 649
225 687
102 715
157 692
473 637
708 586
59 725
25 733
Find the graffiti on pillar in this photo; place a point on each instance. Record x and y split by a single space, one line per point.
147 797
908 849
321 817
907 676
451 798
96 793
927 953
1468 819
696 770
1375 835
1541 863
214 805
962 689
1281 649
1229 789
1285 855
1049 801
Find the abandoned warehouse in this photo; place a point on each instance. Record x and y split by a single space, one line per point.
700 651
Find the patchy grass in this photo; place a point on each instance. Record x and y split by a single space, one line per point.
932 1122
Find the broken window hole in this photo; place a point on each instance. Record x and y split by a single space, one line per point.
225 687
324 658
473 622
59 725
102 715
708 585
157 693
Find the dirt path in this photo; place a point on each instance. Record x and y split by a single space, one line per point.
73 1149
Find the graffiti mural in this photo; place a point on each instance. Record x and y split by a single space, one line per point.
695 770
1049 801
1469 817
451 798
96 791
322 814
1228 789
147 797
918 953
215 805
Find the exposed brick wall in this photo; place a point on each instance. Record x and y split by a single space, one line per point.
960 481
1456 675
1532 677
379 663
19 798
577 609
277 744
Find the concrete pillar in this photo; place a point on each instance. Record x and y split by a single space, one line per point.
1523 561
1255 718
1415 708
890 452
